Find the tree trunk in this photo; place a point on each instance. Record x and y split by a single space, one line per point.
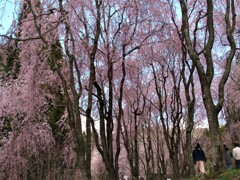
112 173
189 159
188 145
175 165
216 139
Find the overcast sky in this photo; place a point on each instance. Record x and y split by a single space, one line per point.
6 15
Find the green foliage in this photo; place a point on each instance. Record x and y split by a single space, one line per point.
12 66
6 127
222 129
13 63
207 133
56 111
225 175
231 174
56 56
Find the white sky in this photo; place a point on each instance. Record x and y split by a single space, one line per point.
6 15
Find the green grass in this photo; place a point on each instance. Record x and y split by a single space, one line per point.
231 174
225 175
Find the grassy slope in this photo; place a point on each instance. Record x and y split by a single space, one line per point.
226 175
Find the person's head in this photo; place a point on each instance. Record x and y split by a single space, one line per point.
236 145
225 147
197 146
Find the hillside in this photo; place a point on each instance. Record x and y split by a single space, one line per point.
225 175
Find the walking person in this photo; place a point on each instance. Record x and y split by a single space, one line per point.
236 155
228 157
199 158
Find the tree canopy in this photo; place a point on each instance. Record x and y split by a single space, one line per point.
103 89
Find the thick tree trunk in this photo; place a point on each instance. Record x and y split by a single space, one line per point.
215 134
188 82
216 139
112 174
189 160
175 165
188 145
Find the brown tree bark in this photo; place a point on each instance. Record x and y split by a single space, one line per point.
188 83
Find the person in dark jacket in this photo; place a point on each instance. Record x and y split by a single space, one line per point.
228 157
199 158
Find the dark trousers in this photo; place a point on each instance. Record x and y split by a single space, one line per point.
237 164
